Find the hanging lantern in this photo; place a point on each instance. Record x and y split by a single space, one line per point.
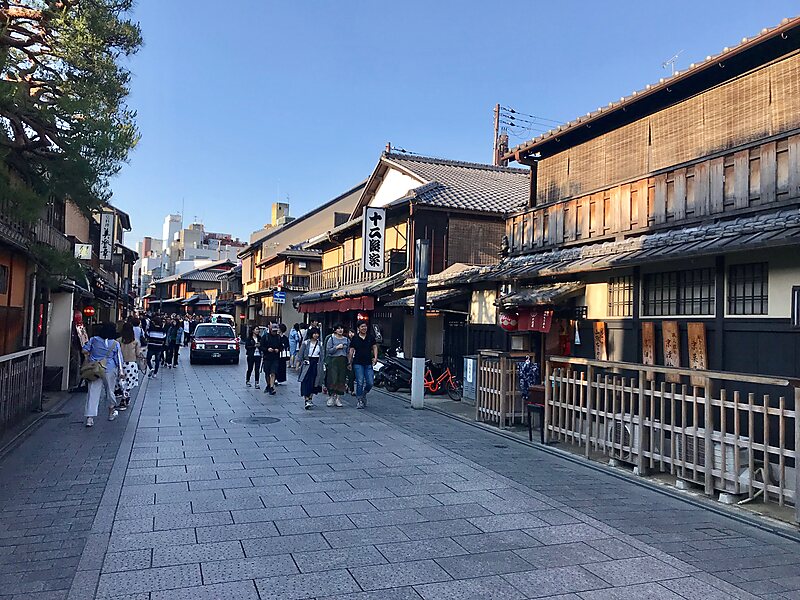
362 317
88 311
509 320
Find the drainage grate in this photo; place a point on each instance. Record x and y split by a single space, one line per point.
255 420
57 416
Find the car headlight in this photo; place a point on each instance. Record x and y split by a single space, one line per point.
200 346
231 346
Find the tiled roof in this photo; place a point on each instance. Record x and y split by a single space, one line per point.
548 293
368 288
464 185
774 229
435 298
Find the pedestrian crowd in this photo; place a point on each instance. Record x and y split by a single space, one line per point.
117 356
338 364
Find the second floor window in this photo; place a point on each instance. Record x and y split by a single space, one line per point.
620 296
690 293
748 289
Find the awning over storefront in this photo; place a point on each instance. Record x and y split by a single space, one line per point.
200 299
342 305
435 298
541 295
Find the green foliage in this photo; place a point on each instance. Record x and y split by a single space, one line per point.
55 266
65 128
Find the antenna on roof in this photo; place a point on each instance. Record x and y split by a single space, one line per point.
671 62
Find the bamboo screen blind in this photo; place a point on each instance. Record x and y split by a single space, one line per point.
759 104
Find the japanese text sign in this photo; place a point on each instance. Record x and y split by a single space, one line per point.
106 235
374 239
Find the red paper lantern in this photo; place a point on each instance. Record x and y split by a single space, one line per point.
362 316
88 311
241 316
509 320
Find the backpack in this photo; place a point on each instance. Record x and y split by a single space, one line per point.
95 369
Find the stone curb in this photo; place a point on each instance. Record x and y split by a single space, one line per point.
87 576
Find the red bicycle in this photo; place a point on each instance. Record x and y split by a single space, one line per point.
445 382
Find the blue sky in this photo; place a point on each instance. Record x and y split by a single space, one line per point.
244 102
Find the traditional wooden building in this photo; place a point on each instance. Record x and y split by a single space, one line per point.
665 226
192 292
458 206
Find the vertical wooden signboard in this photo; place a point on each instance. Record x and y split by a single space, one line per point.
600 352
649 346
698 355
672 348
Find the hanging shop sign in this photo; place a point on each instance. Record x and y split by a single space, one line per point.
106 236
698 357
600 345
83 251
509 320
672 348
649 345
373 236
536 319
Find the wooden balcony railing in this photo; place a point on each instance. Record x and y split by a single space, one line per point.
297 283
49 235
760 177
23 233
350 272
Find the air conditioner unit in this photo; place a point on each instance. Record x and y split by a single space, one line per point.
628 435
685 445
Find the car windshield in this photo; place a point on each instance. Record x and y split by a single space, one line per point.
214 331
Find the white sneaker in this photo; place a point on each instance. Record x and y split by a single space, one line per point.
309 405
114 414
89 421
339 402
329 402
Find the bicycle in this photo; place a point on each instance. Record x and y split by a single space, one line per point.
446 381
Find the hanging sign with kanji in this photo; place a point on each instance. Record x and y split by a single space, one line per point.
374 239
106 236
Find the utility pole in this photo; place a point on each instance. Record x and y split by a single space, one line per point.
420 326
495 160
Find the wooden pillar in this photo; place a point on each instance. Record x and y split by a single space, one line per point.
719 316
589 406
548 397
503 390
640 462
796 453
708 428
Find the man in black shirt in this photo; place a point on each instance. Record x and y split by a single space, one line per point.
270 346
362 357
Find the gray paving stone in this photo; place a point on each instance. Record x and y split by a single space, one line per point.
387 517
632 592
628 571
561 555
136 541
436 529
240 590
242 531
362 494
399 574
545 583
479 588
314 524
304 542
397 503
561 534
147 580
359 537
222 571
255 515
421 549
481 565
339 558
507 521
130 560
338 508
164 556
455 511
305 585
403 593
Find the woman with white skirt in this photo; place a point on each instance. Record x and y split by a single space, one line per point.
103 346
131 353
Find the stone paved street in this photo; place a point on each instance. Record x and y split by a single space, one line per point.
176 501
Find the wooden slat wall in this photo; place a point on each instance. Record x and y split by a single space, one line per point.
753 178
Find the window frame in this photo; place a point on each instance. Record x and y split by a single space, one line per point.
752 281
620 297
682 293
